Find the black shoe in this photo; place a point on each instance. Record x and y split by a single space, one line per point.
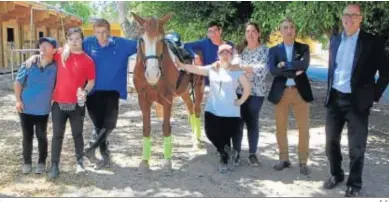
105 163
91 156
282 165
223 157
304 169
54 171
333 182
352 192
223 162
236 158
253 161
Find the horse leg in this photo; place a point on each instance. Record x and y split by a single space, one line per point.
190 107
167 163
198 105
145 106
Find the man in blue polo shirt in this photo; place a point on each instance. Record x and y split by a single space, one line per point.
110 55
208 46
33 92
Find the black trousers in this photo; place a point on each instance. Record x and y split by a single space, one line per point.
219 130
76 119
28 122
339 112
103 109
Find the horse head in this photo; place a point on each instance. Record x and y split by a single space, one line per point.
151 45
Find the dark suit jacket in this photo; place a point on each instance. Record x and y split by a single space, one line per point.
370 57
300 62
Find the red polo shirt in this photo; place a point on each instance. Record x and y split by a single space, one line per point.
74 73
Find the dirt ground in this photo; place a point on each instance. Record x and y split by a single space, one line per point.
195 171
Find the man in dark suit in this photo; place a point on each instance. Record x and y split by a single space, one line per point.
354 59
288 62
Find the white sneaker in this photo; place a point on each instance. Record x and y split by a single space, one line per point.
41 168
80 168
26 168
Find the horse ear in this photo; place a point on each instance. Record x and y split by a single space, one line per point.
138 19
166 18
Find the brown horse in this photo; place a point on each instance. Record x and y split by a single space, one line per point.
155 79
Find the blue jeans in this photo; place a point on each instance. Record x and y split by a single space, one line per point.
250 112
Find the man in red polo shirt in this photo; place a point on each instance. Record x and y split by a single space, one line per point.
75 69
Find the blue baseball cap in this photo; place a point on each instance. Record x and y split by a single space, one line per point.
50 40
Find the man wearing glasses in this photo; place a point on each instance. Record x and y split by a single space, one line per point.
354 59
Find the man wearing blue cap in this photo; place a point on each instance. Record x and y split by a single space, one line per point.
33 93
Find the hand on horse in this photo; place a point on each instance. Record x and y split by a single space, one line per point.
178 62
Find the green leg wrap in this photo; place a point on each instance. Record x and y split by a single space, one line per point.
197 128
168 147
193 122
147 149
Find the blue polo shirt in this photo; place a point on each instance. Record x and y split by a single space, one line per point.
110 63
37 88
206 47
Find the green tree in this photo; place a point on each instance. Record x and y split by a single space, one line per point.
191 18
318 19
79 8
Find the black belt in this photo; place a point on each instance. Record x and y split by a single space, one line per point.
341 94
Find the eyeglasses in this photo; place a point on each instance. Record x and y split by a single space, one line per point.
212 31
352 15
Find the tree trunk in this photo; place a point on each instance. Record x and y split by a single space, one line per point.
130 29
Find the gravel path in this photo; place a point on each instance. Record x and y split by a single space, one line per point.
194 173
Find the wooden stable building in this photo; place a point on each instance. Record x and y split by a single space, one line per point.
22 23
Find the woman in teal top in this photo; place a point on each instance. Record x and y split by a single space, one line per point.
222 113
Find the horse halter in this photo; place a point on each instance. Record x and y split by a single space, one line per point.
146 57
